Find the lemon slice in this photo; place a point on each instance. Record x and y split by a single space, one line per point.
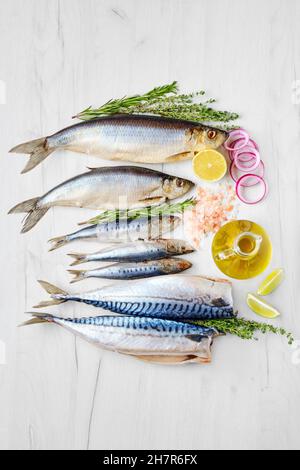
209 165
261 307
271 282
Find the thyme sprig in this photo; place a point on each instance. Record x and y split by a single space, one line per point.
163 209
128 103
168 102
244 329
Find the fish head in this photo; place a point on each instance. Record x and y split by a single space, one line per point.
183 264
208 137
171 265
179 247
174 187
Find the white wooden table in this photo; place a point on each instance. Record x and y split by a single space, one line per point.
56 58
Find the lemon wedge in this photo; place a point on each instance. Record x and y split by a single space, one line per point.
261 307
209 165
271 282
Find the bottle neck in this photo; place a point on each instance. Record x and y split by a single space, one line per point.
247 245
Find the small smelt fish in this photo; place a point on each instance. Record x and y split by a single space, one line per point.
131 138
135 252
173 297
123 230
148 339
120 187
138 270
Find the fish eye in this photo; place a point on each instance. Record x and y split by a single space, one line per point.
211 134
179 183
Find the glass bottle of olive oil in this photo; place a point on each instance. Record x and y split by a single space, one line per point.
242 249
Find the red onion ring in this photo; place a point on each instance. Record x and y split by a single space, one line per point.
243 180
233 170
245 157
240 163
238 133
251 144
249 151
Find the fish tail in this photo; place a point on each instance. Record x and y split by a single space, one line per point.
58 242
79 275
58 295
34 213
79 258
38 317
38 150
25 206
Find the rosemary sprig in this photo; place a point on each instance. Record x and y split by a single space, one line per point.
165 101
128 103
163 209
184 107
244 329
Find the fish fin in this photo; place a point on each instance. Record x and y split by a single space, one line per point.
53 291
37 149
200 359
168 360
48 303
33 321
25 206
34 213
79 258
177 157
58 242
79 275
90 168
217 279
36 158
32 219
38 317
28 147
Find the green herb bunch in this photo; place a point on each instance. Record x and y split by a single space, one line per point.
163 209
168 102
244 329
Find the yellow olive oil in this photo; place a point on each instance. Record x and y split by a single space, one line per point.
242 249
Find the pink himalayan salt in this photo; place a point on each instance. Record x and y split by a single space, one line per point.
212 210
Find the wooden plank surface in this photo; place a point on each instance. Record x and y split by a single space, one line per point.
59 56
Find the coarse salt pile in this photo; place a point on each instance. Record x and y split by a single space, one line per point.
213 208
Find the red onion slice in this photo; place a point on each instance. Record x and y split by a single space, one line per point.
240 135
251 144
235 174
249 161
246 154
242 183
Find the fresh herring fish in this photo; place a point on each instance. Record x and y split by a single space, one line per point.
139 270
173 297
148 339
121 231
131 138
120 187
135 252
